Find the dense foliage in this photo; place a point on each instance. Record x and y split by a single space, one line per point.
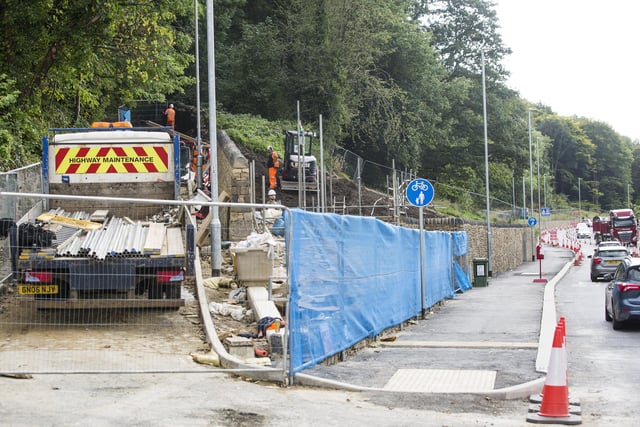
394 80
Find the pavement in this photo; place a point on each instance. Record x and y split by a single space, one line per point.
493 340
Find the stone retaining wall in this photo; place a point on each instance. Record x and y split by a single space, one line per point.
510 244
233 179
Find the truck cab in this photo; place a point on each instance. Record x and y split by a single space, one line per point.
623 226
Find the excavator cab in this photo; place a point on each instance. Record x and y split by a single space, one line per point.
298 160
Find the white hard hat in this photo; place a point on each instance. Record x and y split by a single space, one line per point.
272 192
170 105
269 148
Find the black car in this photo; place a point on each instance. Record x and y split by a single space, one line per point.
622 293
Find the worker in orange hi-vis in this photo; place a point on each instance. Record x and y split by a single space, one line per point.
273 163
170 116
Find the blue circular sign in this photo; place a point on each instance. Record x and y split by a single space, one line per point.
420 192
532 221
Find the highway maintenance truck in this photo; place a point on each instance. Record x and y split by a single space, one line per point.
100 253
620 225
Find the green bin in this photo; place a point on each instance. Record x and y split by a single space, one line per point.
480 272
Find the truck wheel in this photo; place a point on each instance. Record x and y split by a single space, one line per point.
155 290
173 290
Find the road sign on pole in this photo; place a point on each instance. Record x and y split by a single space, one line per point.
420 192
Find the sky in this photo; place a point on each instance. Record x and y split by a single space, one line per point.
578 57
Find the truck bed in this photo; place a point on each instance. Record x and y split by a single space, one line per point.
105 266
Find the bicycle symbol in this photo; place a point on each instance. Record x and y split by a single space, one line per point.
420 185
420 192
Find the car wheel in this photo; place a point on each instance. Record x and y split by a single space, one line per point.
607 316
617 325
594 278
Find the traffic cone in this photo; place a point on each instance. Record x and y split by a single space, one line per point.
554 408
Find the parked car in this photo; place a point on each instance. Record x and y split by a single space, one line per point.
583 231
622 293
606 259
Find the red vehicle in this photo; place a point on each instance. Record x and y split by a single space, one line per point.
620 225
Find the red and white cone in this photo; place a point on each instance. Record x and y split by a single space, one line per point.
554 408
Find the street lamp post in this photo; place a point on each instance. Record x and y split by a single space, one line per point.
486 169
545 189
628 196
524 200
533 255
539 208
579 200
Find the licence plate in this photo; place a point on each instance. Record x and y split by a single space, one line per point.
37 289
613 262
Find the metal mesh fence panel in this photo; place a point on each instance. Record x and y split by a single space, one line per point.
92 292
142 111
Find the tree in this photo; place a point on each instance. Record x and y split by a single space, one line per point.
75 61
612 170
464 28
571 153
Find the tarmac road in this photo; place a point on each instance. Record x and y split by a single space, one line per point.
221 400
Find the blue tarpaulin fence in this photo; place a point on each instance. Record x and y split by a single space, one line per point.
352 277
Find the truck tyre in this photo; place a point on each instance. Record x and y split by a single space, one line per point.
172 290
155 290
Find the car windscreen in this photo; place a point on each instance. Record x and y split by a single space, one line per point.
627 222
618 253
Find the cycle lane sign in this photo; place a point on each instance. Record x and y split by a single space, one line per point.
420 192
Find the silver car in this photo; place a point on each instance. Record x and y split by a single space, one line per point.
606 259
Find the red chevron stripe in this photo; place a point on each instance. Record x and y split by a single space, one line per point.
130 167
150 167
140 151
60 155
163 155
103 151
82 152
